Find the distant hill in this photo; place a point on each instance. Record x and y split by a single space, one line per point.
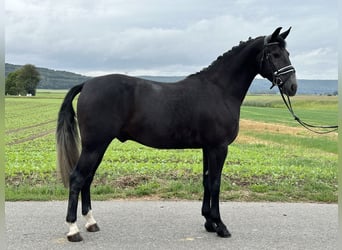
305 87
56 79
52 79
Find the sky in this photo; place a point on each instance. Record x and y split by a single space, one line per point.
165 38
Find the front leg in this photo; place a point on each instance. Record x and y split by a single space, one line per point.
209 224
213 161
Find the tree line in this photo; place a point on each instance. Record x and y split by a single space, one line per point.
23 81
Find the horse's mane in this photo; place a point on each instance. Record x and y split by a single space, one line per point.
233 51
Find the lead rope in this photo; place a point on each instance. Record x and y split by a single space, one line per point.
308 126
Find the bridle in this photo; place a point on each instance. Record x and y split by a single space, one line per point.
279 81
277 74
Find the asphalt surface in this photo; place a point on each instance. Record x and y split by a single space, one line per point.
174 225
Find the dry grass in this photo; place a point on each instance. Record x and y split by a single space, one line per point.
249 125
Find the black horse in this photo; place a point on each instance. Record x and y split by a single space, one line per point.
201 111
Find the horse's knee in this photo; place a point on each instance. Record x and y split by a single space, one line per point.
215 187
76 180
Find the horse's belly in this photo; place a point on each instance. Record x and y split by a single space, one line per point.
182 136
167 138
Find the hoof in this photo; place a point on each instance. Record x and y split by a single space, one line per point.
210 227
93 228
75 237
223 232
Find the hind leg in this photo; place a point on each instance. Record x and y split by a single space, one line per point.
87 213
80 180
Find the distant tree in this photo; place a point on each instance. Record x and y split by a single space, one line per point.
29 77
23 81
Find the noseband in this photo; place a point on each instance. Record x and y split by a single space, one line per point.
277 74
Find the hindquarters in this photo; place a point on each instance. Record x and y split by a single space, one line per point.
103 108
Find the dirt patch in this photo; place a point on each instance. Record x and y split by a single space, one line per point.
263 127
125 181
250 125
245 139
130 181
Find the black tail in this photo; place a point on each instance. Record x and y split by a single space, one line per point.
67 136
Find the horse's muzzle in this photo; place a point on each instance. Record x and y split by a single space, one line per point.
290 86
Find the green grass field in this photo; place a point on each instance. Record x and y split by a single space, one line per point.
273 159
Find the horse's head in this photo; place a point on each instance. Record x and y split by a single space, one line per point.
275 64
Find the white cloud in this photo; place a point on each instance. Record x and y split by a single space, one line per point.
318 63
165 37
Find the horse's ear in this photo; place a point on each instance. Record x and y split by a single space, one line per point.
273 37
275 34
285 34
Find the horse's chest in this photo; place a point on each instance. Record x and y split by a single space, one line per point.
224 131
225 123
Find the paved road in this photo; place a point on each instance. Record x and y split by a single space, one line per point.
174 225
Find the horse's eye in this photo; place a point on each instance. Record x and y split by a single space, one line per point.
276 55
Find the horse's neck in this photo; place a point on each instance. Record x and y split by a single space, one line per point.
235 73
